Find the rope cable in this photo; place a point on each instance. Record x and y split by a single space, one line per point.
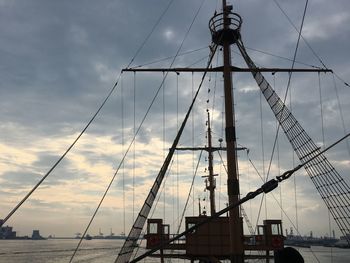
214 87
134 149
262 147
321 110
163 120
278 153
123 145
63 155
307 43
150 33
341 113
197 61
189 193
281 57
192 139
177 154
169 57
324 145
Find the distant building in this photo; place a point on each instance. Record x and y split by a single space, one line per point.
36 235
6 232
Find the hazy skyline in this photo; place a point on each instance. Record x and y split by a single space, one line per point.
59 59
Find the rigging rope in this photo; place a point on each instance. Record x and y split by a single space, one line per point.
307 43
278 152
262 147
281 57
63 155
192 139
123 145
341 113
151 32
177 154
163 107
167 58
189 194
134 151
324 145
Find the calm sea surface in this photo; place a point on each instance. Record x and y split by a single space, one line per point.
60 250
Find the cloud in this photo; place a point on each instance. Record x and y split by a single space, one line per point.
59 61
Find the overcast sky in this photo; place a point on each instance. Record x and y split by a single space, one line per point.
59 60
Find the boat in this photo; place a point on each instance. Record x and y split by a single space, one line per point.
217 233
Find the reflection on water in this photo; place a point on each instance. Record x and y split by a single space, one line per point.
95 251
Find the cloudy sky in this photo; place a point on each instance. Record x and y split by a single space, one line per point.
59 60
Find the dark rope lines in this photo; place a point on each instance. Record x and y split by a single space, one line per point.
307 43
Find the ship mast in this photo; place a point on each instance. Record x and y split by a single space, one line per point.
211 179
235 222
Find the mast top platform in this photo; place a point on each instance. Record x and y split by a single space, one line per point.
225 27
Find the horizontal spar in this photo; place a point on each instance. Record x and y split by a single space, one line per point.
208 149
221 69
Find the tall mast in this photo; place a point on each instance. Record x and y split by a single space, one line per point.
235 222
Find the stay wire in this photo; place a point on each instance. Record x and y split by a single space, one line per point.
307 43
189 193
123 144
177 154
192 139
151 32
281 57
163 122
324 145
262 145
64 154
134 150
341 112
167 58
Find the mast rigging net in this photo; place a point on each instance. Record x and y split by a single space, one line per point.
334 191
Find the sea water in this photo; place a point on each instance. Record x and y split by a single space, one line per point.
99 250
